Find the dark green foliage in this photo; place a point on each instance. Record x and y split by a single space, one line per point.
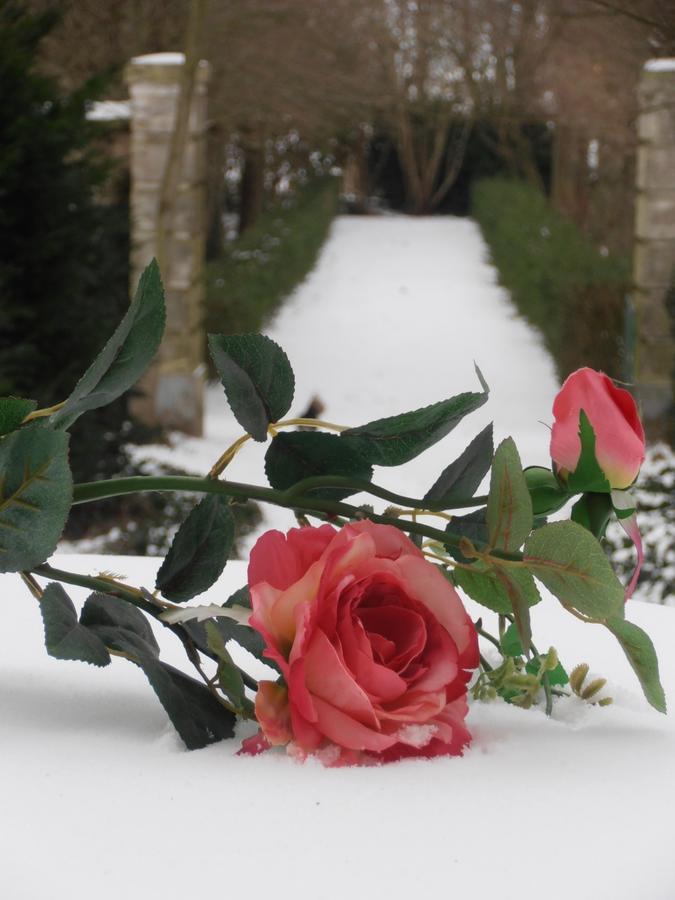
199 550
13 410
297 455
36 490
63 255
557 279
65 637
246 283
461 478
257 377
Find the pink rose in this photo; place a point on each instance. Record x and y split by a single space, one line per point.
619 437
373 643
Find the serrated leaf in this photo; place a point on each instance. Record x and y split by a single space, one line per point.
485 587
398 439
293 456
569 561
509 507
257 377
125 357
13 410
199 550
36 491
242 597
462 477
521 590
194 712
472 526
104 610
639 650
587 476
65 637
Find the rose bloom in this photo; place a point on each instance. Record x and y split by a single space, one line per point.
619 437
373 643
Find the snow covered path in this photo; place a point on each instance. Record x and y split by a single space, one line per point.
391 319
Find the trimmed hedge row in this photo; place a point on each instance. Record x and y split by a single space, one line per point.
560 282
260 268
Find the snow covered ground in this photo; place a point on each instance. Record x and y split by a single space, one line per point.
100 800
393 318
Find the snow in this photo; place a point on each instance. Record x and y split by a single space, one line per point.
109 111
392 318
660 65
159 59
100 799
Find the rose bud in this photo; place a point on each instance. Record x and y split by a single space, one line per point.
373 643
619 436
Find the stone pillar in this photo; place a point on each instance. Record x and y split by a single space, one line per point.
173 389
654 265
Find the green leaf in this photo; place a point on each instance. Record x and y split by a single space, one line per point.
229 677
637 646
242 597
556 677
462 477
199 550
257 377
13 410
521 591
472 526
509 508
587 476
569 561
485 587
105 611
194 712
125 357
398 439
546 492
293 456
36 491
510 642
593 511
65 637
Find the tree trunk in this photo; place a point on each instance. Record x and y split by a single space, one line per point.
252 186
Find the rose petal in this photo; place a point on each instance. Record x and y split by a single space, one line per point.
281 559
273 713
345 731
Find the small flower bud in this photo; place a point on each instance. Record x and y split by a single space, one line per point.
606 701
551 660
578 676
592 689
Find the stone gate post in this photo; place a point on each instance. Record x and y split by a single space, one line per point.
172 391
654 265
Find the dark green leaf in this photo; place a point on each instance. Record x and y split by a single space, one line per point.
593 511
509 508
257 377
637 646
65 638
472 526
546 492
230 630
511 643
13 410
293 456
398 439
229 676
36 491
461 478
573 566
125 357
199 550
103 610
195 713
485 587
242 597
587 476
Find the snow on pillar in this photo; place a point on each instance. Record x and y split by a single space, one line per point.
173 389
654 266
